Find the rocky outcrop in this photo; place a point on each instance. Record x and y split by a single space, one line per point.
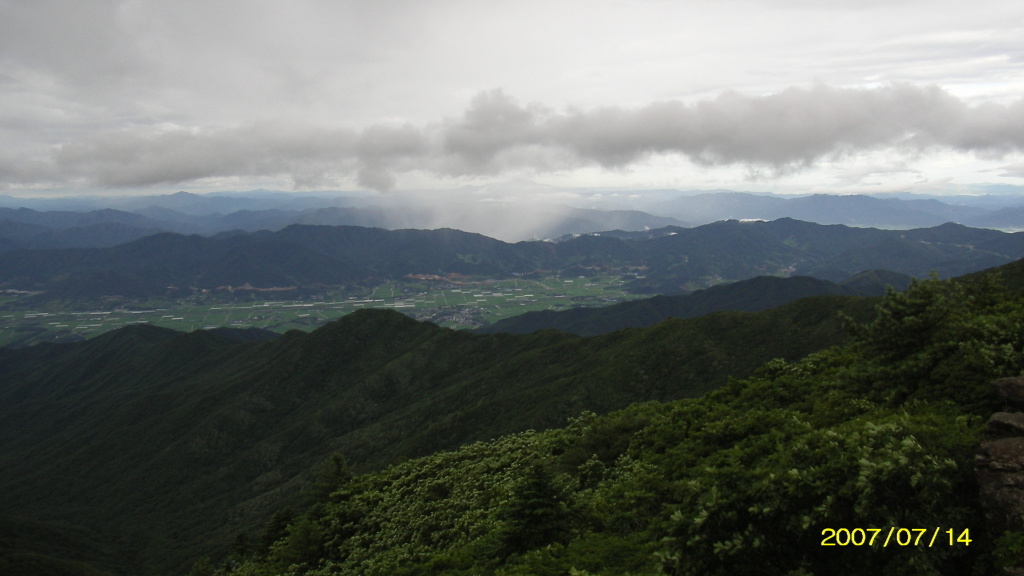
1000 465
1012 391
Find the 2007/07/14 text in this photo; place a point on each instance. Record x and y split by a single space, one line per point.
894 537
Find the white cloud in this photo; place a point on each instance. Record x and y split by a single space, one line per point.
322 92
780 133
1015 170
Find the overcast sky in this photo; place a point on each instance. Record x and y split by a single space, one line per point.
782 95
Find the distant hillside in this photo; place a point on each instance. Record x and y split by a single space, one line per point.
693 258
850 210
514 211
668 261
751 295
1009 218
187 213
29 229
62 220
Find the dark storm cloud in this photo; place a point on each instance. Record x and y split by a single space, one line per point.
781 132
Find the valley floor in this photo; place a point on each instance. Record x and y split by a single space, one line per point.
450 302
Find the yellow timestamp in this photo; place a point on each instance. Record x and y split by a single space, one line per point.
895 537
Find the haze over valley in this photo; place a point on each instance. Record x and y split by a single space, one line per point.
262 262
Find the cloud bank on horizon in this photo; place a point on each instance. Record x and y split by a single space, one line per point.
141 95
781 132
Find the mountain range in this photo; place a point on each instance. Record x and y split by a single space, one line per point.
667 261
193 214
755 294
509 212
142 449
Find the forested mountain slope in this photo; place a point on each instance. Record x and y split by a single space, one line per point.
751 295
167 444
856 460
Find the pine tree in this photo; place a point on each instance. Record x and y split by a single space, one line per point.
276 529
537 516
333 474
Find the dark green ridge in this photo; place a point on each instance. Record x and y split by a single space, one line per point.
757 477
752 295
183 439
672 260
170 444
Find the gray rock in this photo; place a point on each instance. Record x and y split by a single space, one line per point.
1006 454
1012 391
1000 466
1005 424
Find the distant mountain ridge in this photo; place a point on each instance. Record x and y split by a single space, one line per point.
31 229
760 293
850 210
671 260
498 213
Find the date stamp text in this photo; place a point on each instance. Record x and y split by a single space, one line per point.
894 536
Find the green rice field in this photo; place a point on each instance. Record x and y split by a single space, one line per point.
466 303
